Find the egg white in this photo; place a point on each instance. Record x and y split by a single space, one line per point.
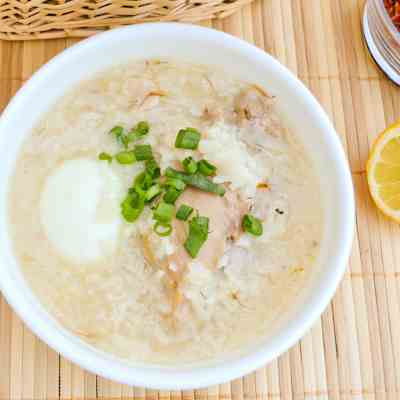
79 210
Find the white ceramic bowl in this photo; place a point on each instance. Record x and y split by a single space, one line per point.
204 46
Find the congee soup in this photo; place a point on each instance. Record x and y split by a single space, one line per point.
163 212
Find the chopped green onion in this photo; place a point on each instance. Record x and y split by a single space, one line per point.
125 157
154 191
188 138
165 230
143 152
124 140
196 180
189 165
175 183
198 234
141 129
252 225
205 168
171 195
163 212
129 137
184 212
118 133
202 221
132 206
152 168
143 182
105 157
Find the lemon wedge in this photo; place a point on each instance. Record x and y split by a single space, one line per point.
383 172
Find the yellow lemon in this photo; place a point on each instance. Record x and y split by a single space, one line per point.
383 172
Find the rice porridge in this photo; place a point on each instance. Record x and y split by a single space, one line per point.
162 207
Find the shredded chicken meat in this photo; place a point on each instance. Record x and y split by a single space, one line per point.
225 215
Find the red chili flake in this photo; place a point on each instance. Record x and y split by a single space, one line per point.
393 9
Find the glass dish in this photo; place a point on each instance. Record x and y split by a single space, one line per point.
382 38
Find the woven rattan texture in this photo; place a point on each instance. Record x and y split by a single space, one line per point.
44 19
353 350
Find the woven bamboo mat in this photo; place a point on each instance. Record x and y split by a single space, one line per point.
353 351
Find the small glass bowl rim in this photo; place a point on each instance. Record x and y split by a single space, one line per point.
387 20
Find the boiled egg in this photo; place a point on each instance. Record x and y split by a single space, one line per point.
80 210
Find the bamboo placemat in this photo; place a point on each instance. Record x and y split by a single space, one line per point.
353 351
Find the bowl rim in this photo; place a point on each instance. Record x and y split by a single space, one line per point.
167 379
385 17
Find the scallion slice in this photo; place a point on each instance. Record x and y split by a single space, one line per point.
154 191
205 168
125 157
202 221
163 212
152 168
198 234
132 206
141 129
252 225
105 157
118 133
188 138
196 180
171 195
143 152
175 183
189 165
143 182
184 212
162 229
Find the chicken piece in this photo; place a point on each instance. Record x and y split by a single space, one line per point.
212 110
152 99
225 214
252 103
211 113
255 107
143 93
169 280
